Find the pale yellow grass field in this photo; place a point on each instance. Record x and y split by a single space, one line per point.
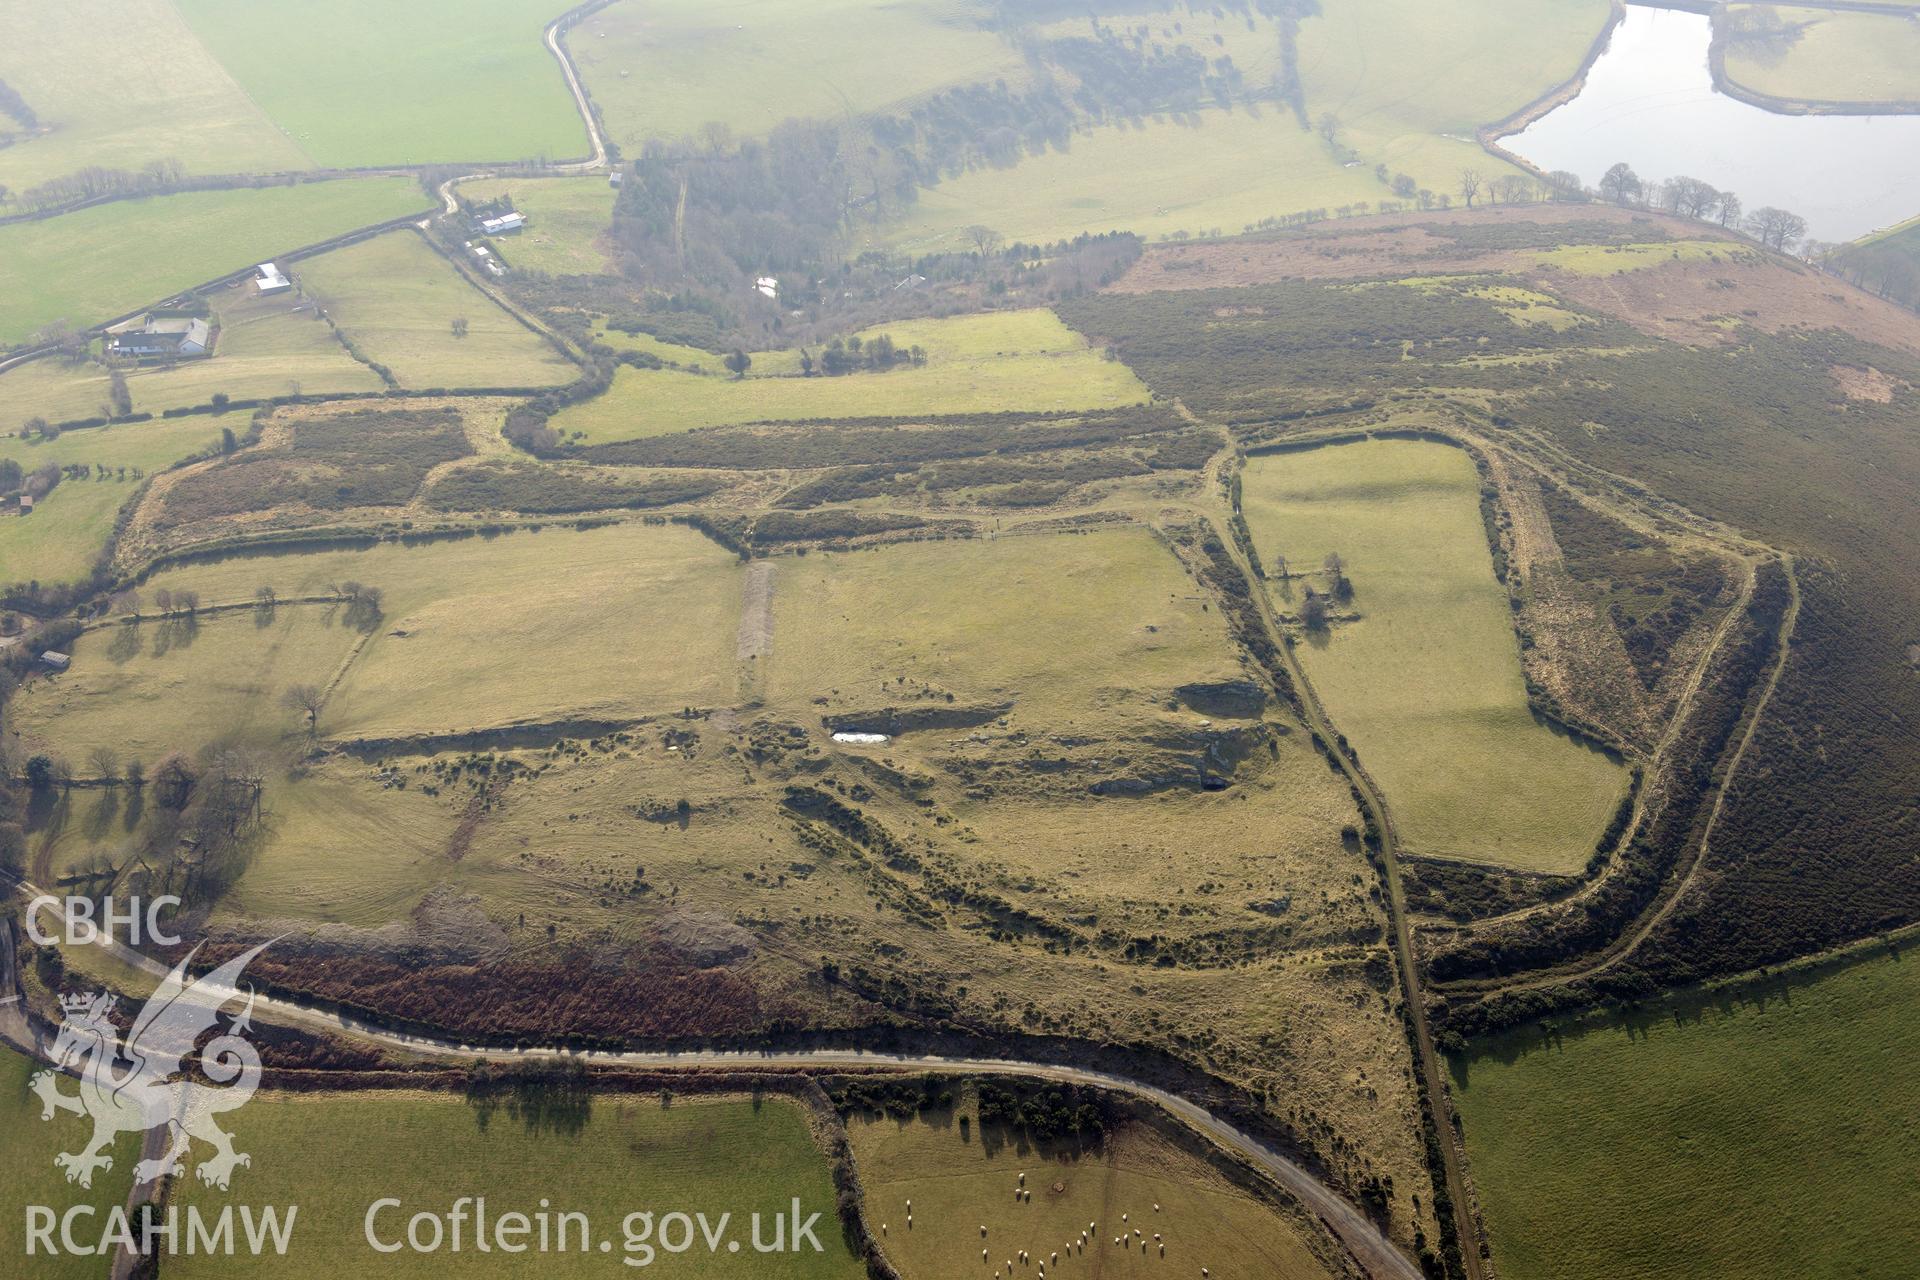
615 621
1000 361
397 300
1069 628
961 1177
1232 169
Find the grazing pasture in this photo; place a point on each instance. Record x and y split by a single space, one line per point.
566 219
605 1156
961 1176
29 1176
396 299
989 620
486 631
170 99
667 69
357 82
1763 1129
175 684
1424 675
70 526
999 361
1833 57
91 265
1229 169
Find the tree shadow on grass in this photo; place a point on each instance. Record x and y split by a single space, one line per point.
126 644
545 1098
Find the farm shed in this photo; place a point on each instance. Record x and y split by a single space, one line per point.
166 339
56 661
270 279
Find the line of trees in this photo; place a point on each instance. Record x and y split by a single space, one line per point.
1781 230
95 181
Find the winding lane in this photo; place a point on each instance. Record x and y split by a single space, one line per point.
1363 1239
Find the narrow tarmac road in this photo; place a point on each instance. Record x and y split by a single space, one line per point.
1369 1246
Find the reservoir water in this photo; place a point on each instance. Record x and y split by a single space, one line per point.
1649 100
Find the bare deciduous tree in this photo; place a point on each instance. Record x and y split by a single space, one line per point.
304 699
105 762
1777 229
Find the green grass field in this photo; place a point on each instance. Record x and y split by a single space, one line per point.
674 352
627 1154
667 69
1755 1132
476 633
169 97
89 266
267 347
28 1175
357 83
566 218
70 526
1235 168
1427 682
982 363
396 299
1839 57
961 1178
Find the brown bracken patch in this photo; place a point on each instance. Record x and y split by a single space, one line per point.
1869 383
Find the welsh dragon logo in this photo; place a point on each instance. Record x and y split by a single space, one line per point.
145 1083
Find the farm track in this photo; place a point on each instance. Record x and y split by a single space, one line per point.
557 46
1368 1245
1438 1106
